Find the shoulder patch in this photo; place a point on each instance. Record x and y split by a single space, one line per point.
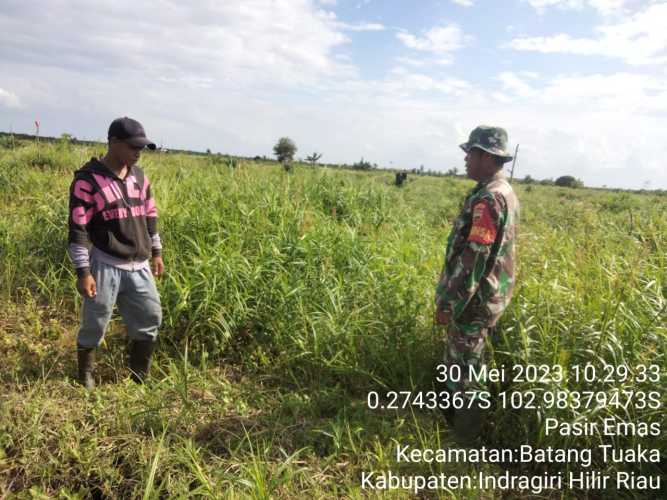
483 228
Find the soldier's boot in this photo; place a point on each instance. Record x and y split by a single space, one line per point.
141 352
448 413
86 359
468 422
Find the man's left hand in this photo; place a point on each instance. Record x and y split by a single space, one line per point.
158 266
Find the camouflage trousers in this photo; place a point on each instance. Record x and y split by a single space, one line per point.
465 348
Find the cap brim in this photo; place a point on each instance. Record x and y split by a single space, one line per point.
141 141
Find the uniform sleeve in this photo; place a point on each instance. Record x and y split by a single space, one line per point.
81 211
151 220
455 290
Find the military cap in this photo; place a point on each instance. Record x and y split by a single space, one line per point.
490 139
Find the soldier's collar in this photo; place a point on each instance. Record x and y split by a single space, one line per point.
498 175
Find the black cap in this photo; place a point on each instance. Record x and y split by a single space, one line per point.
130 131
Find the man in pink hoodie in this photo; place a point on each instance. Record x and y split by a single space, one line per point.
112 239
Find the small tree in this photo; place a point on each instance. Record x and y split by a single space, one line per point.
285 149
362 165
66 141
314 158
568 181
528 180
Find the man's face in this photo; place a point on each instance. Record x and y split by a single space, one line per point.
480 165
126 153
474 164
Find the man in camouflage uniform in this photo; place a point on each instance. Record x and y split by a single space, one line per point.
477 279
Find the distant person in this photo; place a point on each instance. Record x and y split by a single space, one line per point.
112 235
401 177
477 279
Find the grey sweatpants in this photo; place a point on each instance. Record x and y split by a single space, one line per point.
136 296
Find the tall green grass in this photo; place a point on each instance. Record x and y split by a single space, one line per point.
287 297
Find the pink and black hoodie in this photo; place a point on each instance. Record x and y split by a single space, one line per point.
117 216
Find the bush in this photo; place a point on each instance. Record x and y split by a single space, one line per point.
362 165
7 142
569 181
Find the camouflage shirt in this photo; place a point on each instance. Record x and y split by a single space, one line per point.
477 279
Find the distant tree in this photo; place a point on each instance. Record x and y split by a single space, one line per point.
208 151
314 158
528 180
6 141
285 149
568 181
452 171
66 141
362 165
547 182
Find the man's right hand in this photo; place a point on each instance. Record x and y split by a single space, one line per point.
86 286
442 317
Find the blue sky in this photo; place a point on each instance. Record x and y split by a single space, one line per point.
581 85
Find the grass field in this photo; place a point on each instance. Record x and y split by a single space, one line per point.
287 298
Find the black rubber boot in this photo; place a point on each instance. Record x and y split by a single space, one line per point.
468 423
140 359
86 359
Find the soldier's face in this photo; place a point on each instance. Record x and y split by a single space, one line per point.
479 164
473 163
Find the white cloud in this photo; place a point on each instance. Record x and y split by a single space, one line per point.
605 7
410 61
361 26
542 5
464 3
601 127
440 40
422 62
404 81
634 94
9 99
333 22
570 124
639 39
282 41
328 2
516 84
